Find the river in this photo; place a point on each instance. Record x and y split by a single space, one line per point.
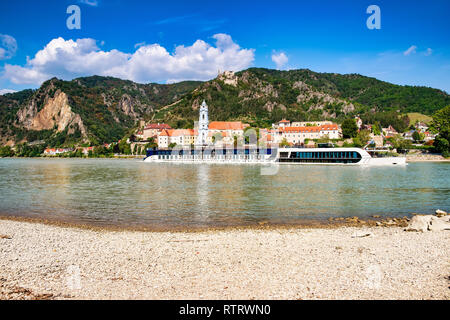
131 193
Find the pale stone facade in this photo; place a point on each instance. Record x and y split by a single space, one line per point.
203 123
298 135
153 130
310 123
181 137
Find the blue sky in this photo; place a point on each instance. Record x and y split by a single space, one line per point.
140 40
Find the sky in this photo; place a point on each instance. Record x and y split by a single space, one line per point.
170 41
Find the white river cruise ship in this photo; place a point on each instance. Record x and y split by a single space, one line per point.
203 152
319 156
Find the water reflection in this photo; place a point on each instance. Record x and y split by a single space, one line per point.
131 192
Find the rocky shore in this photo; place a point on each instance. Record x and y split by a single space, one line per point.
39 261
423 157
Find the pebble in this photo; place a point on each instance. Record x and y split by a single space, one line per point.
152 265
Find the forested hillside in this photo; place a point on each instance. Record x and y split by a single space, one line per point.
98 109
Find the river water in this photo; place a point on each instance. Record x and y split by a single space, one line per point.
131 193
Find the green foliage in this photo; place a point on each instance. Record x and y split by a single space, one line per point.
441 119
416 117
363 136
151 145
349 128
25 150
324 139
124 147
6 151
441 123
376 128
385 119
400 144
284 143
261 96
98 102
417 136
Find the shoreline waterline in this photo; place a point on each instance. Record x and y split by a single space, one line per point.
332 223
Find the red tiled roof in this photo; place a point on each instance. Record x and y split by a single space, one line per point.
226 125
157 126
285 121
181 132
329 127
178 132
326 127
300 129
164 133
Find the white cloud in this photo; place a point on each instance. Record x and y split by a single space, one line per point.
280 59
92 3
5 91
68 59
8 46
140 44
429 52
410 50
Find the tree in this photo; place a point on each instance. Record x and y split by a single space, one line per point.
124 147
6 151
441 119
376 128
364 137
349 128
324 139
442 145
417 136
441 123
284 143
400 144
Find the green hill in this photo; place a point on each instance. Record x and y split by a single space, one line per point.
263 96
103 109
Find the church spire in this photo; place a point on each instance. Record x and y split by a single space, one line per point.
203 123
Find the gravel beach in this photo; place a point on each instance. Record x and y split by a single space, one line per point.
39 261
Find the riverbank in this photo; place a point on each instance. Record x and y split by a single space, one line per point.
426 158
39 261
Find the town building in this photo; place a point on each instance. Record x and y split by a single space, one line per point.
310 123
215 132
228 129
389 132
180 137
409 135
421 126
298 135
359 122
85 150
429 136
281 124
203 122
55 151
152 130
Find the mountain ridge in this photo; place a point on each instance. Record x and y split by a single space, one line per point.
100 109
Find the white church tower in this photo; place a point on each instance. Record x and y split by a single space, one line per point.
203 123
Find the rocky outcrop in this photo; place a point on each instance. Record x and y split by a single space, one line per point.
441 213
321 99
56 113
126 105
229 78
423 223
